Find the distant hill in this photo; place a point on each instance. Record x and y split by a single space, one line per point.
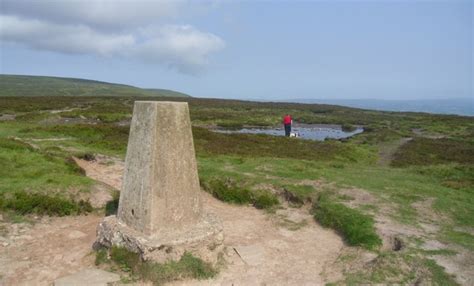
460 106
23 85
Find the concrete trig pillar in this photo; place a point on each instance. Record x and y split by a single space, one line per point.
160 214
160 185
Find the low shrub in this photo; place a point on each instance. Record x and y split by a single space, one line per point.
356 228
230 125
265 200
427 151
250 145
348 127
26 203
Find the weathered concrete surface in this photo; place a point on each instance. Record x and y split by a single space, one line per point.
160 212
90 277
204 240
161 185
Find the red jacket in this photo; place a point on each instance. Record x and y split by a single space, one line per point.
287 119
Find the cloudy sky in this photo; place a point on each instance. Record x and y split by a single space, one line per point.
248 49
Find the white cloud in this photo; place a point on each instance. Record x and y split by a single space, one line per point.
182 47
67 39
130 29
99 14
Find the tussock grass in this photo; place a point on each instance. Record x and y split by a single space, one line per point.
229 191
24 203
356 228
187 267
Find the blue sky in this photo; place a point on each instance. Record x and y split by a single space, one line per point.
250 49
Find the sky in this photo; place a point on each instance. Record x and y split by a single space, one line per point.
264 50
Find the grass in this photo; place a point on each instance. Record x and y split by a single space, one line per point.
356 228
25 203
400 269
438 275
111 207
157 273
458 237
26 169
229 191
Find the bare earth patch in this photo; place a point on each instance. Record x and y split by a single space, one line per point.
397 236
39 253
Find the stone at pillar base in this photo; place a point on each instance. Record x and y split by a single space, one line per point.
203 239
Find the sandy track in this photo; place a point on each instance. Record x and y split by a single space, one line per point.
51 248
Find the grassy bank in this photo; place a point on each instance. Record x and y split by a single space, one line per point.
356 228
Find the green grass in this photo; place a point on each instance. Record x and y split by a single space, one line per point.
400 269
26 169
31 203
438 275
157 273
111 207
231 192
356 228
458 237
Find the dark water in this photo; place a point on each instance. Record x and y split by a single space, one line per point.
318 133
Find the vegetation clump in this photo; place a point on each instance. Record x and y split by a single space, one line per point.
229 191
26 203
230 125
356 228
348 127
250 145
427 151
188 267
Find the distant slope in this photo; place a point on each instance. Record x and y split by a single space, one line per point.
22 85
460 106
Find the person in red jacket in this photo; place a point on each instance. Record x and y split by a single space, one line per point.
287 121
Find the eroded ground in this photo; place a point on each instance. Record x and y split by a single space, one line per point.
283 248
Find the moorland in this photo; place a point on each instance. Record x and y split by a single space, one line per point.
403 190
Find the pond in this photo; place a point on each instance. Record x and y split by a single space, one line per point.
317 132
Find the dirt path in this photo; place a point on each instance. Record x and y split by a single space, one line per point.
260 248
39 253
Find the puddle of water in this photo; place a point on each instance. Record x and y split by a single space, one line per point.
312 133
